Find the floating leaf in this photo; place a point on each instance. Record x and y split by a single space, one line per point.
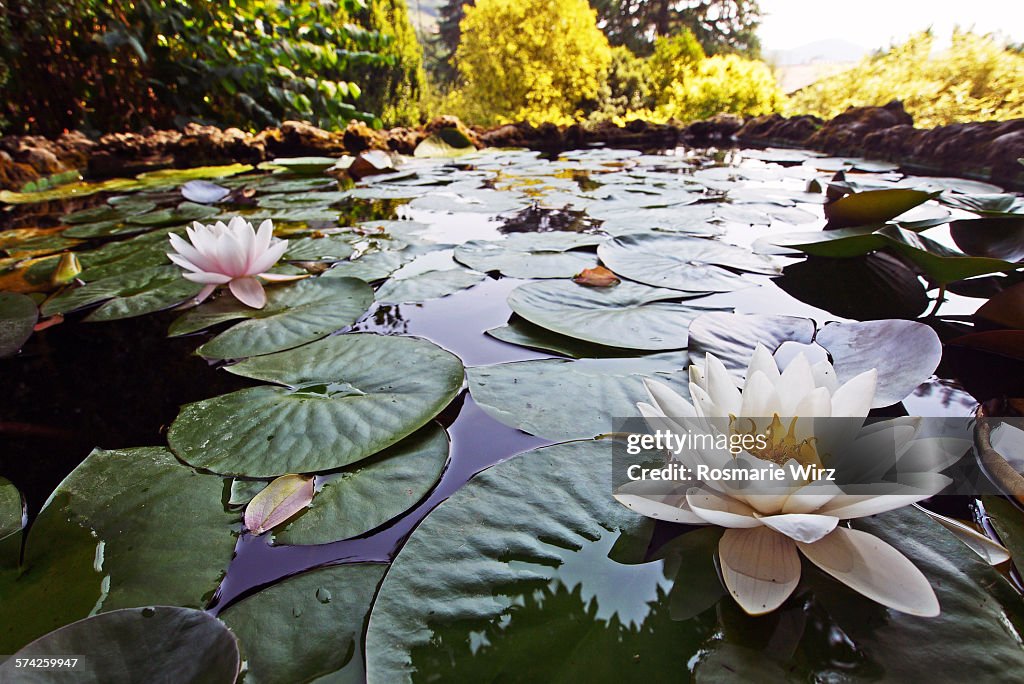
991 552
133 645
1006 308
325 248
996 238
347 397
278 501
204 192
372 492
103 541
732 337
149 282
630 316
295 313
428 285
370 267
437 147
18 315
531 255
526 334
598 276
558 399
305 166
288 633
679 262
873 206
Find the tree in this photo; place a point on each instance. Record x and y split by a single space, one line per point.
537 60
720 26
443 45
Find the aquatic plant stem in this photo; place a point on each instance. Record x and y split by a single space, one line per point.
939 298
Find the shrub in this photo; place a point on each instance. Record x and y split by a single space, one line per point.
977 78
723 83
533 60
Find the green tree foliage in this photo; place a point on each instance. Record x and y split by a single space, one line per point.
722 83
673 58
534 60
626 89
121 64
720 26
977 78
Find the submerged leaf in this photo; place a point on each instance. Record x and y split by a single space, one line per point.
279 500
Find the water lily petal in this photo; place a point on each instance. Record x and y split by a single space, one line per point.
723 511
760 399
846 506
762 360
875 569
760 567
249 291
207 278
647 498
204 293
189 253
720 386
184 263
282 277
810 498
270 257
854 399
794 384
697 376
668 401
801 527
825 376
263 237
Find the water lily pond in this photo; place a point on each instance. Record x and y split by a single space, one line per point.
387 456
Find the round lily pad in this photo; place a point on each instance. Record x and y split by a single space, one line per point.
428 285
308 627
629 315
152 644
680 262
531 255
295 313
371 492
526 334
305 166
18 315
343 399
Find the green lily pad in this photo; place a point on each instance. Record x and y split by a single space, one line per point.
326 248
118 258
992 205
449 146
173 178
69 191
134 645
873 206
996 238
733 337
305 166
346 397
370 267
531 255
125 528
628 315
428 285
371 492
12 509
18 316
526 334
560 400
678 262
303 200
131 294
308 627
183 214
295 313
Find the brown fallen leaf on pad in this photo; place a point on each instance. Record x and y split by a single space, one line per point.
599 276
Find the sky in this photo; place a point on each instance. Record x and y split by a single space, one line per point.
872 24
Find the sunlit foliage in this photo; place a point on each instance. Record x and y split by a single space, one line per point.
121 64
534 60
976 78
723 83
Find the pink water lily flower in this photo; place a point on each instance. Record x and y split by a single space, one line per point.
234 255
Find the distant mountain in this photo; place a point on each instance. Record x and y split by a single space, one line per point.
818 51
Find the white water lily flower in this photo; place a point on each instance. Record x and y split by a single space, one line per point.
766 532
234 255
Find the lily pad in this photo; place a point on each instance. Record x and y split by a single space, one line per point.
134 645
526 334
295 313
18 316
996 238
560 400
733 337
148 289
125 528
691 264
308 627
628 315
371 492
438 146
344 398
428 285
326 248
531 255
370 267
873 206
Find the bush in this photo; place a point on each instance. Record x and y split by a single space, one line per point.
976 79
723 83
121 64
533 60
626 89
